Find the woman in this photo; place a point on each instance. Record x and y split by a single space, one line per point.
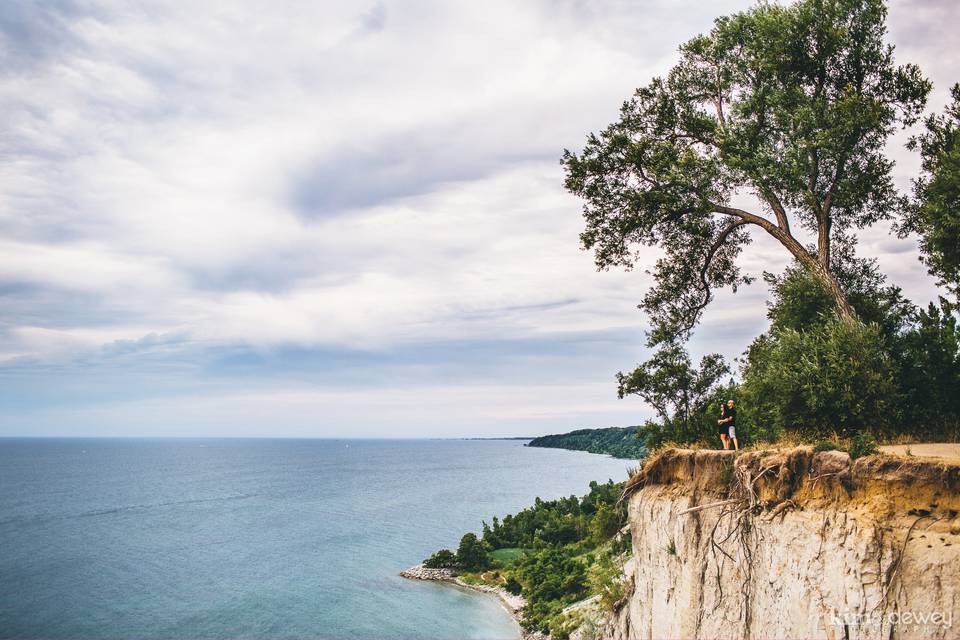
722 426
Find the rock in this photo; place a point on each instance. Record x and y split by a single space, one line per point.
421 572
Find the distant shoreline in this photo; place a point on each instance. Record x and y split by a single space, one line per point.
621 443
493 438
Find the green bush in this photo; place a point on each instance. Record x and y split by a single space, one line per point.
834 376
605 578
513 586
442 559
863 444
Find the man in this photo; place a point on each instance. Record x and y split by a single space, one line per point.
729 421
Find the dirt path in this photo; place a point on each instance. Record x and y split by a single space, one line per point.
942 450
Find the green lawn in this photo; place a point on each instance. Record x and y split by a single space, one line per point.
507 555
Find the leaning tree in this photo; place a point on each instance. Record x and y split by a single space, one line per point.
785 108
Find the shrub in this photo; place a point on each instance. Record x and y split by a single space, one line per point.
863 444
512 586
606 580
831 376
444 558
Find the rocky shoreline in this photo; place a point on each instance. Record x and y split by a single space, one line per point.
512 603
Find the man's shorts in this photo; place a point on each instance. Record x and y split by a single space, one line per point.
732 431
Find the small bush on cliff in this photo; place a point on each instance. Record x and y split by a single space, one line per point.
825 445
442 559
513 586
682 394
863 444
606 579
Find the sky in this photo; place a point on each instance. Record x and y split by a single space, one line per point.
339 219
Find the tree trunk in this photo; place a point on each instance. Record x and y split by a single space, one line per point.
818 266
832 287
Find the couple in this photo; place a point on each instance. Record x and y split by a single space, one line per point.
727 425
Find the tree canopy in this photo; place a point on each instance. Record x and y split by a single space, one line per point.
935 215
787 107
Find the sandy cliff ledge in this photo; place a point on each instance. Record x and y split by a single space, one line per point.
791 544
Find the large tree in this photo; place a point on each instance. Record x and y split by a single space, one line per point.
788 108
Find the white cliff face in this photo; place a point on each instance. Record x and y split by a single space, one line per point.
803 546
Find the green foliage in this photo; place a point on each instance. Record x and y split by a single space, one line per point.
935 214
473 554
813 374
552 579
606 579
551 522
562 626
928 353
546 551
619 442
681 394
793 103
606 522
825 445
800 301
671 548
444 558
863 444
833 376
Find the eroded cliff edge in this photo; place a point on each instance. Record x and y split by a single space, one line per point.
790 544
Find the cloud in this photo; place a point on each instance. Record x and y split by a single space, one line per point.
238 201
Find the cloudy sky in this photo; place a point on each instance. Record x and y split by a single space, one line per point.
336 218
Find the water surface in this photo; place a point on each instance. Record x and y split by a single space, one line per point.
246 538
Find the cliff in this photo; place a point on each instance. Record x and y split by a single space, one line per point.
790 544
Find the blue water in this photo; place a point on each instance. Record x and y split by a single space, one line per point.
257 538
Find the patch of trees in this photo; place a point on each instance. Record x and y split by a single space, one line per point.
473 554
568 548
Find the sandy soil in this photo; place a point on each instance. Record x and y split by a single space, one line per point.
944 450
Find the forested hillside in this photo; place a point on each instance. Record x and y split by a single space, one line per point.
619 442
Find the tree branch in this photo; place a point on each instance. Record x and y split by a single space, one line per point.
696 309
778 209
